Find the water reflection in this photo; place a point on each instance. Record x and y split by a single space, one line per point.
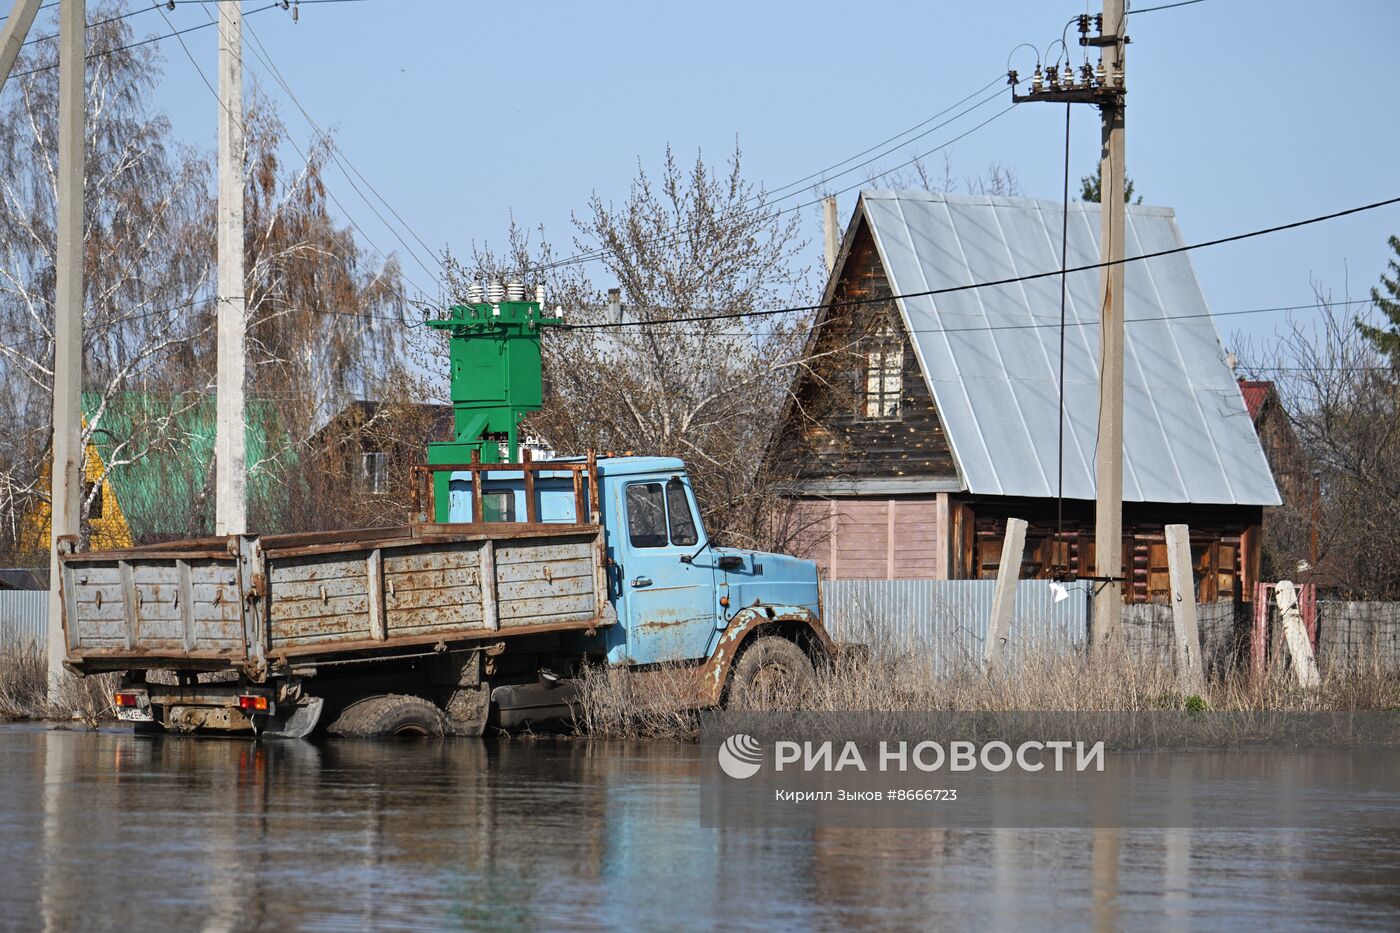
108 830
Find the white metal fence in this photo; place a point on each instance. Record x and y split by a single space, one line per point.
24 617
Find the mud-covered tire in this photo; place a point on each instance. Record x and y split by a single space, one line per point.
392 714
771 672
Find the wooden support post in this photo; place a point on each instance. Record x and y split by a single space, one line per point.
487 576
531 510
374 590
1013 547
1259 631
943 541
1295 635
478 476
1189 676
185 595
133 609
889 539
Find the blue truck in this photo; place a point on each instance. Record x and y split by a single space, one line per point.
481 611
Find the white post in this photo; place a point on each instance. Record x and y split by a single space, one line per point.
13 34
1004 598
1295 635
830 235
230 469
1190 678
65 473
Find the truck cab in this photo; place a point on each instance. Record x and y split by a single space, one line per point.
674 591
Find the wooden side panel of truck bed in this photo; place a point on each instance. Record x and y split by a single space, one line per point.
255 602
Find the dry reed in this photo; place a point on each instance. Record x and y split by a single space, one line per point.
654 704
24 689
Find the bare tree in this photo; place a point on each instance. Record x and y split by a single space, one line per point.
1344 403
324 320
686 371
147 226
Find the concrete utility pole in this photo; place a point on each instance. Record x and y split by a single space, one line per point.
65 473
829 231
230 465
13 34
1108 461
1105 86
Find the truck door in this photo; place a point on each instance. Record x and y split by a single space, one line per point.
668 606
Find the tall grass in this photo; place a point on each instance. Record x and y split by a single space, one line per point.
887 678
24 689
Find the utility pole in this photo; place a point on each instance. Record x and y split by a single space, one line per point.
1106 87
1108 460
230 468
65 472
13 34
831 237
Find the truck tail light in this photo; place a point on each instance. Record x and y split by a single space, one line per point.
252 703
129 700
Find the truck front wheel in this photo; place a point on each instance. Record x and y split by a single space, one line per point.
771 673
392 714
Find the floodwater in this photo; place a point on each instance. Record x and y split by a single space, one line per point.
109 830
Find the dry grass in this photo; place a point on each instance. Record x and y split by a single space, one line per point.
653 704
24 689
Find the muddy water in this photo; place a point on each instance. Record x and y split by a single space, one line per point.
111 831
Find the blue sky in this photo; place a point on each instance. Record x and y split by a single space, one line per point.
1240 115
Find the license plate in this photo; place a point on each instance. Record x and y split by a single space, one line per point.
134 714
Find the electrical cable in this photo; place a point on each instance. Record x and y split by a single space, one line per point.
1165 6
1029 277
208 84
338 154
150 39
665 238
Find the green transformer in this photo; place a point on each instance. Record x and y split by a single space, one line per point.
496 381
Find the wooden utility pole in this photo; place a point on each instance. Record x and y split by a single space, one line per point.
1106 87
65 472
1108 459
230 476
13 34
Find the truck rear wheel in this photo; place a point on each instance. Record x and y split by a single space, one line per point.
392 714
771 673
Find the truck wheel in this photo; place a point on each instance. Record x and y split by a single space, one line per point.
771 672
393 714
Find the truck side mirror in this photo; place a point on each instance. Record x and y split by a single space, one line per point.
731 562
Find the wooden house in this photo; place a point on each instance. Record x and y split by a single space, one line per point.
931 411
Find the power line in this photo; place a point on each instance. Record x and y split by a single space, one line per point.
150 39
1165 6
1014 279
147 41
292 142
670 236
743 333
338 154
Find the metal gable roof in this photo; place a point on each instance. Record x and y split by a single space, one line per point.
991 354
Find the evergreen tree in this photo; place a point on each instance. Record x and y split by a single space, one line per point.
1387 338
1091 188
